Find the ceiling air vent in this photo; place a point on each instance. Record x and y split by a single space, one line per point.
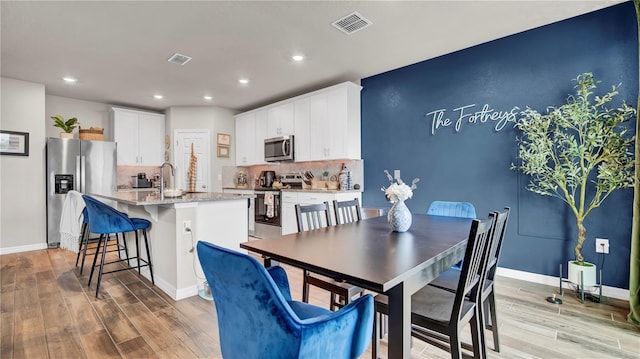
179 59
351 23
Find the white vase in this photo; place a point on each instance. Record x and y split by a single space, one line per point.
66 135
588 273
399 217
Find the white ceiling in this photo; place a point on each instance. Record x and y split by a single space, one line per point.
119 50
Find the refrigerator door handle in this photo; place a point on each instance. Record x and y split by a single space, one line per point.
77 182
82 173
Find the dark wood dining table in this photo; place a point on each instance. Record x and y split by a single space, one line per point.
368 254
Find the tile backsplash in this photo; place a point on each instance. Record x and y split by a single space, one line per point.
126 172
333 168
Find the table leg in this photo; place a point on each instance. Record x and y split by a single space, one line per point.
399 322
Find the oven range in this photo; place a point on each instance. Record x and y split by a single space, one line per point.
268 207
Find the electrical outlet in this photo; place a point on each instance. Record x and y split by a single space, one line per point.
602 245
186 225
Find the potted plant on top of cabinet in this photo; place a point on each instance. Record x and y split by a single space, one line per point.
579 152
65 125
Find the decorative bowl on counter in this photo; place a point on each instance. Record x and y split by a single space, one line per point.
172 192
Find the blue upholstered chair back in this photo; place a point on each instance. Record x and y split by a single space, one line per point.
256 320
104 219
452 209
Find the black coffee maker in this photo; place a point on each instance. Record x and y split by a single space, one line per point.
267 178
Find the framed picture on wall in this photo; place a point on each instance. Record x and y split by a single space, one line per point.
224 139
223 151
14 143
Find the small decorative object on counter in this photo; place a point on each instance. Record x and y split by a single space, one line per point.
345 178
192 172
399 216
241 181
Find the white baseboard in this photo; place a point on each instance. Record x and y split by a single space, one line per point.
611 292
31 247
170 290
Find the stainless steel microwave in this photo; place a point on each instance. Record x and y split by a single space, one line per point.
279 149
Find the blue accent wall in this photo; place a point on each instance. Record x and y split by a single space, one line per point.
533 68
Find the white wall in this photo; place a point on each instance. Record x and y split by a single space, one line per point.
22 179
88 114
215 119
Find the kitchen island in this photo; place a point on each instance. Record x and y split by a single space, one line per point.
177 223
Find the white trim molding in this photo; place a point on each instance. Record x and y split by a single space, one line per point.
611 292
19 249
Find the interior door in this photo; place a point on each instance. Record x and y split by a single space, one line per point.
182 155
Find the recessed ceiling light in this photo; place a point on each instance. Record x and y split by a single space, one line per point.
243 81
297 57
208 97
158 97
70 80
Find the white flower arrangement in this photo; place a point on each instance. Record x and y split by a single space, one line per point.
399 191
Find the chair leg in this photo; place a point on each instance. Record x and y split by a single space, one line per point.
332 301
375 341
85 239
84 229
494 322
138 251
95 258
104 255
456 349
126 250
477 335
146 245
305 286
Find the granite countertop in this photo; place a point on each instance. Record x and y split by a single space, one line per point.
143 198
320 190
309 190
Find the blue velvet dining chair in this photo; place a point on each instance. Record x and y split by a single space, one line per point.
452 209
258 319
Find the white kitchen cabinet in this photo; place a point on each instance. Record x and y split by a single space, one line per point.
291 198
334 123
140 137
261 134
325 123
301 125
280 120
251 130
245 139
250 208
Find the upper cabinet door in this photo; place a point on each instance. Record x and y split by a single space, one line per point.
261 134
125 134
280 120
245 139
151 139
302 134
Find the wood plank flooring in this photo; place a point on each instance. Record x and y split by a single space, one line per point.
47 311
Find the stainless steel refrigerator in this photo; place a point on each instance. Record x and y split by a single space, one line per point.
83 166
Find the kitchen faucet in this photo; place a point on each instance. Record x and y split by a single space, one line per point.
162 175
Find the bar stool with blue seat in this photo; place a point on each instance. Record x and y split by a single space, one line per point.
85 240
105 221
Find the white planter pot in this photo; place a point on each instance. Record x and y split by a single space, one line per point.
588 272
66 135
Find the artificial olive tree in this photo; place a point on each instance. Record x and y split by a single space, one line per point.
579 152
